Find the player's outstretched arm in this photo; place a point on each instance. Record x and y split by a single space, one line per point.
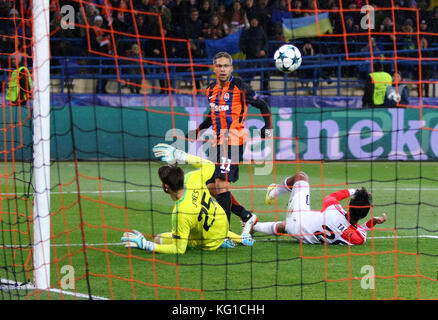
379 220
174 246
265 111
372 222
335 197
206 167
171 155
135 239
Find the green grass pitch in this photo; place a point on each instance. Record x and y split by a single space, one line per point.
116 196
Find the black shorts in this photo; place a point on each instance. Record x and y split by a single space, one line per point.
227 160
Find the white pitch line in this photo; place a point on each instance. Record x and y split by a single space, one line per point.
77 294
376 238
112 244
6 284
406 237
232 189
369 238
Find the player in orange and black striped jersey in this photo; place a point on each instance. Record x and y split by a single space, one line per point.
228 99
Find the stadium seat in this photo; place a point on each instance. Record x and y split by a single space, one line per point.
84 85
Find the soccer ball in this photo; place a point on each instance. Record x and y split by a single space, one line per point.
287 58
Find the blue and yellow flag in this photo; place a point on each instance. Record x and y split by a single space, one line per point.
306 27
228 44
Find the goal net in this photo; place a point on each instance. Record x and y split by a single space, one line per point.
80 118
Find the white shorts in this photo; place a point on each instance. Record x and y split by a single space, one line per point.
299 203
299 199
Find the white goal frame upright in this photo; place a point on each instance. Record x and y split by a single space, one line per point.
41 143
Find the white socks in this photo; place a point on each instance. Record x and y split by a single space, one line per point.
266 227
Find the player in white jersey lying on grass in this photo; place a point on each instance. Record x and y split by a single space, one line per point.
332 224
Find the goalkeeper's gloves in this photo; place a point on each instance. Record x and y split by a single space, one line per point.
135 239
266 132
169 154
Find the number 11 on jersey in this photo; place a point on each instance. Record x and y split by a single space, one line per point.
225 164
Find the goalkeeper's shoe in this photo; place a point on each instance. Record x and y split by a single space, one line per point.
135 239
247 240
228 243
248 225
268 198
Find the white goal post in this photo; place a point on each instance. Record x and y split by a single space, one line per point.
41 143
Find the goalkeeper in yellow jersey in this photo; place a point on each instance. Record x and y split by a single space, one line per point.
197 218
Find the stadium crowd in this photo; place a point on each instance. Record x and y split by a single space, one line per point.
198 20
